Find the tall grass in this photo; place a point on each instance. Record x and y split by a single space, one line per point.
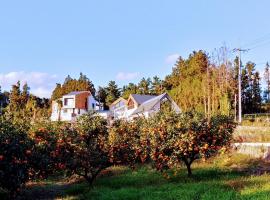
252 134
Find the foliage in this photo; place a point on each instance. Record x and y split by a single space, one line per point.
251 91
169 139
211 82
24 108
81 84
101 96
15 150
267 80
4 96
80 148
154 86
129 89
83 147
45 159
127 144
113 93
176 138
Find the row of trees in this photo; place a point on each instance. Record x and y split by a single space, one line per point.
70 84
203 83
89 146
20 105
108 94
112 92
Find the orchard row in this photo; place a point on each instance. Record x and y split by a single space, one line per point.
87 147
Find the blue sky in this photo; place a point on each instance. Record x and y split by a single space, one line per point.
41 42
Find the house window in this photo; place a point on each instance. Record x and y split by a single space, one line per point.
93 106
68 101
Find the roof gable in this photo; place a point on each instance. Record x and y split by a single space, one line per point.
139 99
118 100
148 105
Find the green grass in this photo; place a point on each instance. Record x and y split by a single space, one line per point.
211 180
225 177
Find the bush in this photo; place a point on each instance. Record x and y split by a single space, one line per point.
15 150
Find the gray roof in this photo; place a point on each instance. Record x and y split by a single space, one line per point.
142 98
149 105
76 93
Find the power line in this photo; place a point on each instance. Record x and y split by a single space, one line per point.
257 41
260 45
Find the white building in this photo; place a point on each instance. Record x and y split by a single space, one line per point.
73 105
141 105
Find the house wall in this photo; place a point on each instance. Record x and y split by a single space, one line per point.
66 114
55 111
117 105
118 110
71 103
81 100
92 103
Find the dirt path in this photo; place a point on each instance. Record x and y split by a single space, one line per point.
47 190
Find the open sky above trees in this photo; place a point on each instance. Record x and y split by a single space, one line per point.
43 42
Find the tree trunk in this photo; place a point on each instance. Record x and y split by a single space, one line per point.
189 169
188 165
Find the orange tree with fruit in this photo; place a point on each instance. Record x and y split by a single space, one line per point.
186 137
15 150
126 143
83 147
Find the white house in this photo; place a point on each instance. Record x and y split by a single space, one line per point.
119 109
73 105
141 105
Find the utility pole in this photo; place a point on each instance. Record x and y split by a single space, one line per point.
239 50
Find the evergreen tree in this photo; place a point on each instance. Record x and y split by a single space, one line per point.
131 88
70 85
101 96
57 92
157 86
251 91
113 93
67 79
144 86
257 99
15 98
25 93
267 80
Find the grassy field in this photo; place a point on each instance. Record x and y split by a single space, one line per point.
252 134
226 177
